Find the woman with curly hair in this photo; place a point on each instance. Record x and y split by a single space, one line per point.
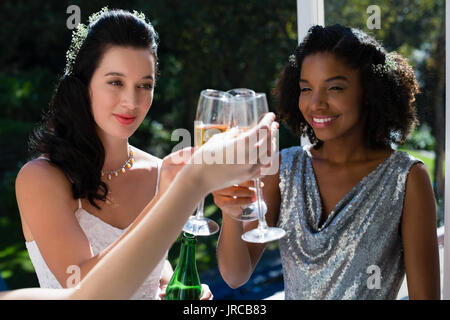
357 213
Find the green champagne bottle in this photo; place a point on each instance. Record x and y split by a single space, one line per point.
185 282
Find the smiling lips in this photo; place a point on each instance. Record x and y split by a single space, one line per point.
124 118
323 121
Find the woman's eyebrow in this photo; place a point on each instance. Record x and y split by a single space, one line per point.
123 75
329 79
336 78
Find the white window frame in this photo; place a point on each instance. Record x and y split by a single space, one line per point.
311 12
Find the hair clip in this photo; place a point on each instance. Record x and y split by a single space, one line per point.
292 61
389 65
80 34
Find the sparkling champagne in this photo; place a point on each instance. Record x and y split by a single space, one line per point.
203 132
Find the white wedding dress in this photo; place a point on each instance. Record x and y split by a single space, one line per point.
100 236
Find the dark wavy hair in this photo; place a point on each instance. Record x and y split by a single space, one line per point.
67 134
389 97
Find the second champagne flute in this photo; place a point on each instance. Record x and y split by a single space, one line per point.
213 116
263 233
244 118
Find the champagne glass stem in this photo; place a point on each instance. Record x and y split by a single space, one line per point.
262 224
200 207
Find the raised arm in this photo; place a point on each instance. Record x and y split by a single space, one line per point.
124 267
236 258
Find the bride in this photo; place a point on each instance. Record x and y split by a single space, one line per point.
88 188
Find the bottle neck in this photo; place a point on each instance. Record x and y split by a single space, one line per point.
185 282
187 254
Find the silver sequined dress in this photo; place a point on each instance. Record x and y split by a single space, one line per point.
357 253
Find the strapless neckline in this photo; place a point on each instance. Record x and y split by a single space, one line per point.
82 210
88 214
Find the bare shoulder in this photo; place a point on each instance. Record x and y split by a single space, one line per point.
39 181
145 170
418 177
40 173
419 196
144 159
46 206
41 188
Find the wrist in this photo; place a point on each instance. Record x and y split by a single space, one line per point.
194 179
228 218
228 222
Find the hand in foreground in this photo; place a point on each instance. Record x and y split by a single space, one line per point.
250 152
171 165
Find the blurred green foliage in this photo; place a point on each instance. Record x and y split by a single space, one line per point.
203 44
421 139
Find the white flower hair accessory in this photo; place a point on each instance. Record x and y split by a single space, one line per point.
388 67
79 34
292 61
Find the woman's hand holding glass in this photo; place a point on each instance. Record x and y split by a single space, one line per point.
248 108
232 199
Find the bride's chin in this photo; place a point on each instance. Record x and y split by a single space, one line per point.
120 134
124 135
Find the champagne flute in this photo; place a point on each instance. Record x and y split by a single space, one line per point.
213 116
263 233
243 101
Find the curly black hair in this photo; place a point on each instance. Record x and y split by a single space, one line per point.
388 96
67 134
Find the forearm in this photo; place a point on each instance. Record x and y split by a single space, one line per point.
144 246
233 256
36 294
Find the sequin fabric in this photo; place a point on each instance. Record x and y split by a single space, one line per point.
357 253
